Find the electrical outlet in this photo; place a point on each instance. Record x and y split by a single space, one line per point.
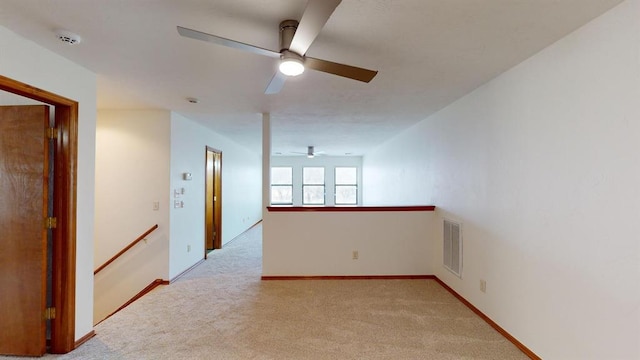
354 255
483 286
156 205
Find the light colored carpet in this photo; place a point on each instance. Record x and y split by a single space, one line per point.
222 310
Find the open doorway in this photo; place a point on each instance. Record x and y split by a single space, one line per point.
213 200
60 225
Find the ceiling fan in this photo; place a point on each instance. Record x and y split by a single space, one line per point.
311 153
295 39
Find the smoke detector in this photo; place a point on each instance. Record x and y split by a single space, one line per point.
68 37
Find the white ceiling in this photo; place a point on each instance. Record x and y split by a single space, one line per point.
428 54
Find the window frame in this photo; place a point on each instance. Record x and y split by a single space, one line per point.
336 185
289 185
323 184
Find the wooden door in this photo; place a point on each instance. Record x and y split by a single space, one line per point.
23 238
213 200
209 179
217 199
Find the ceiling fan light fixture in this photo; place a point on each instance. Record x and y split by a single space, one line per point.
291 64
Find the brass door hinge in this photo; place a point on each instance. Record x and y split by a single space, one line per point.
50 313
52 133
50 223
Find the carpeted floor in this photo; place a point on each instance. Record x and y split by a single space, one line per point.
222 310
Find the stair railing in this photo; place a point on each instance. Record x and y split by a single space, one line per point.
133 243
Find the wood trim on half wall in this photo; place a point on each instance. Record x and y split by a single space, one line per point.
65 192
287 208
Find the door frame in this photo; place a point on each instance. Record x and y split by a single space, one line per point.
217 192
64 200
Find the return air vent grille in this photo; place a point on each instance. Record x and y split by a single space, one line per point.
452 247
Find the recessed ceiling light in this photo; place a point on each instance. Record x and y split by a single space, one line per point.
68 37
193 100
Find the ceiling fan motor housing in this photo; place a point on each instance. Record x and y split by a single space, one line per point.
287 30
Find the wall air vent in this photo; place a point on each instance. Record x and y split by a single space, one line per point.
452 247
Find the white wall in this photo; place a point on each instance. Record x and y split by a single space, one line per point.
132 172
24 61
541 165
241 190
141 156
329 163
322 243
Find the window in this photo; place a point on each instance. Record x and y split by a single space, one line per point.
346 191
281 186
313 186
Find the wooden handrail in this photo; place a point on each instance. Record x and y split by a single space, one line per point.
141 237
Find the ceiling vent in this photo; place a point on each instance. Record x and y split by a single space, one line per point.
452 247
68 37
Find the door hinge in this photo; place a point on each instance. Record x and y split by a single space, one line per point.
50 223
52 133
50 313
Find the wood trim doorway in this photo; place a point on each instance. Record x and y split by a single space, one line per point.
213 200
64 234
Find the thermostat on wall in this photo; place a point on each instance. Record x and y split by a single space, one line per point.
186 176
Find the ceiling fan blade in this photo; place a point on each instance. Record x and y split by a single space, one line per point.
343 70
198 35
313 19
276 83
